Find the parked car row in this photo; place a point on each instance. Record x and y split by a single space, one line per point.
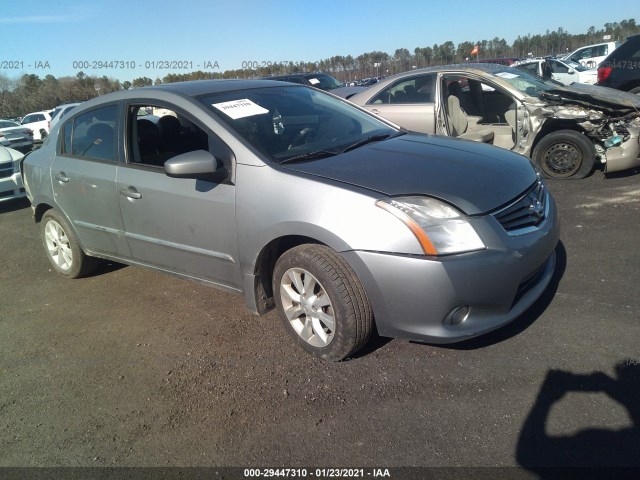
15 134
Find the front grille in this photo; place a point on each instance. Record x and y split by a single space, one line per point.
527 212
6 169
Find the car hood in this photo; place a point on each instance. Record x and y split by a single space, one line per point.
475 177
346 92
9 154
607 99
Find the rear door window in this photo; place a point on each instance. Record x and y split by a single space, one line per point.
418 89
92 135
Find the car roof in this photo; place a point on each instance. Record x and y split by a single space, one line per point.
458 67
68 105
194 88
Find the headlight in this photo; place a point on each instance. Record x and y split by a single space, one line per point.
440 228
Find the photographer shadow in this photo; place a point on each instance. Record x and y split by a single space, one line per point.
538 451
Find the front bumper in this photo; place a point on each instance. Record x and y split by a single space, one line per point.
414 297
11 187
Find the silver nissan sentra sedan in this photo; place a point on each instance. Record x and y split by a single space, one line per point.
298 200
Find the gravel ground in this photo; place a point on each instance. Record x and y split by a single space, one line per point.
135 368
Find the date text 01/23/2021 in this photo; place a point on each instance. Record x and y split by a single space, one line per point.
148 64
317 473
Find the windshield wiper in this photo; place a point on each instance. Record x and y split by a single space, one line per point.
371 139
308 156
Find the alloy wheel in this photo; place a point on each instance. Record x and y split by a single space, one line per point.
307 307
58 245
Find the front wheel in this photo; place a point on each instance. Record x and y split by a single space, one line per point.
322 302
564 154
62 247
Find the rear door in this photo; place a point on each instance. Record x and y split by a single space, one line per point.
408 102
83 174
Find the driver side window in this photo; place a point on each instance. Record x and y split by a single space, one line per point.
157 134
557 67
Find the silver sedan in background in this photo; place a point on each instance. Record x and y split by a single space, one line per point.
298 200
565 130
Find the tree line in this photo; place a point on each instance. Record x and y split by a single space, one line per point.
31 93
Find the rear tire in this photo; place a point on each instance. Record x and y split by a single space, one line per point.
62 247
565 154
321 302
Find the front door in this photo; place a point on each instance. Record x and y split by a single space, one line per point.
185 226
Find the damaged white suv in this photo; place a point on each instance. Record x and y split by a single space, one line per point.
566 130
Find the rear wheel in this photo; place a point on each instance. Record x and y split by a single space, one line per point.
322 302
62 247
565 154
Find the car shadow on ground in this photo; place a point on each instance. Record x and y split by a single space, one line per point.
106 266
14 205
527 318
623 174
548 454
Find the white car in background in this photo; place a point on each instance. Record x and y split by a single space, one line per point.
60 111
592 55
13 135
10 178
563 71
39 123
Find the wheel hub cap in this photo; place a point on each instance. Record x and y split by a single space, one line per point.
307 307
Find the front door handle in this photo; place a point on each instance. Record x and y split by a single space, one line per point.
61 177
377 112
130 193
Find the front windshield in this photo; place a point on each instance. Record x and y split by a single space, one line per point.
323 81
530 85
291 121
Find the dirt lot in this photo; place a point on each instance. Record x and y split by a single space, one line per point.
135 368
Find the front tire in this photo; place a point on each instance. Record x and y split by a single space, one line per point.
321 302
62 247
565 154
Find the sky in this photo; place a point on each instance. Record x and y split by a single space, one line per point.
64 37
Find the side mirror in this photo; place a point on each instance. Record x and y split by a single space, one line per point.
571 71
198 164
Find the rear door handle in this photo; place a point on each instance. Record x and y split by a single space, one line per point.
61 177
373 110
130 193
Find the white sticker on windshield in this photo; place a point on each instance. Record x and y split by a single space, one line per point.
240 108
314 81
506 75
